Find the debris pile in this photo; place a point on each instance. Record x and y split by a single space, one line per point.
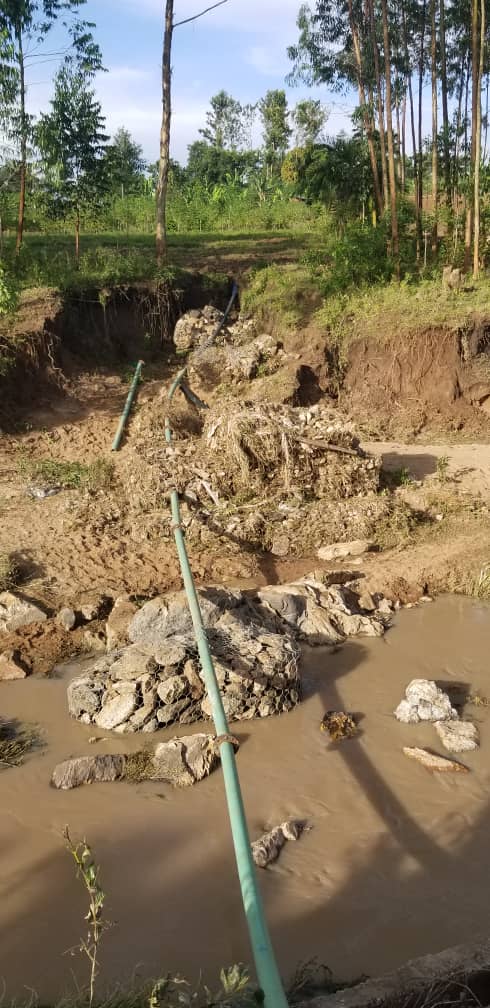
156 680
283 478
236 352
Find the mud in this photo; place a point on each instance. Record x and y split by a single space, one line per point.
394 866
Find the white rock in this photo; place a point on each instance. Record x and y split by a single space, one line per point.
338 551
15 612
66 618
11 667
458 736
425 702
115 711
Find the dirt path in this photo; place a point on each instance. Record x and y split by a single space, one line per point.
468 465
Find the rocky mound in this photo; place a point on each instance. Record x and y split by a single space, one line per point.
156 680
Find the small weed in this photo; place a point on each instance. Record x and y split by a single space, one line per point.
480 586
9 572
88 872
137 766
16 740
396 527
442 468
396 477
478 700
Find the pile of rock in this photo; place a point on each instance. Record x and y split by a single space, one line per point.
426 701
237 351
156 679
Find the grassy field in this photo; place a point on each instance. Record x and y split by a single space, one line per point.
48 260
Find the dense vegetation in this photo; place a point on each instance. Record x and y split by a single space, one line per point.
387 200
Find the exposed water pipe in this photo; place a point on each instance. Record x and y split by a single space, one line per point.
116 444
263 953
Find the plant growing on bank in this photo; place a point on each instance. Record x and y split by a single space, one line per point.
88 873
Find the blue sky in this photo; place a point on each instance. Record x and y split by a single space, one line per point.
240 47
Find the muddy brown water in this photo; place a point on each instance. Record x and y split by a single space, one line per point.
396 864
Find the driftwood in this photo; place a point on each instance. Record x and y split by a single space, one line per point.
432 762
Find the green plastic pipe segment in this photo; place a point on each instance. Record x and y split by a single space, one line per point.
116 444
263 953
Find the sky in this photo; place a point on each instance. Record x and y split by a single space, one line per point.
240 47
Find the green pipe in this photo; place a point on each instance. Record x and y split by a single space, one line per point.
265 962
116 444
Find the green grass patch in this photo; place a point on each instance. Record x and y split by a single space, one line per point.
70 475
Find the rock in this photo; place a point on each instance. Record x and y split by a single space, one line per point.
367 602
183 761
338 551
118 622
171 652
458 736
11 666
87 770
94 606
151 726
115 711
173 689
172 712
432 762
196 684
82 697
339 725
268 847
131 664
95 641
66 618
15 612
424 702
280 546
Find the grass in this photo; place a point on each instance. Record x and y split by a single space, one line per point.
16 740
69 475
480 587
9 572
48 260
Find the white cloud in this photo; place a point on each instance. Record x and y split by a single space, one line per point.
255 16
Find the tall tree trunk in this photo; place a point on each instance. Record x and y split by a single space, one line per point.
457 138
420 125
398 164
476 197
365 111
408 71
445 113
484 156
403 140
164 162
77 236
433 64
379 98
391 148
475 102
23 143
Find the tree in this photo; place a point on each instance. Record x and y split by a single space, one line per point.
309 117
124 163
24 27
276 130
164 159
225 128
72 144
215 166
